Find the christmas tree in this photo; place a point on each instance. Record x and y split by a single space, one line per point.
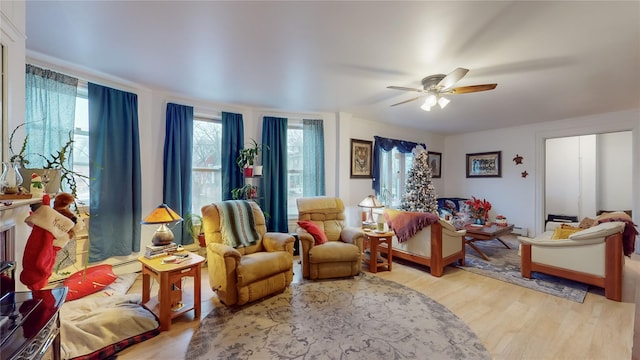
419 194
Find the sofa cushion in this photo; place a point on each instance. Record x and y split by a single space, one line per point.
564 231
598 231
261 265
318 235
334 251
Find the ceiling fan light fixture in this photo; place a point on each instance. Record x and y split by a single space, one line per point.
431 99
442 101
425 106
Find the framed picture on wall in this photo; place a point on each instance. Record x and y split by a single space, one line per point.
486 164
435 162
361 158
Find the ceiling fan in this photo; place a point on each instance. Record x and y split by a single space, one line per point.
435 86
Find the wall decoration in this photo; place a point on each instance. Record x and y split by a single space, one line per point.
486 164
435 162
524 174
518 159
361 159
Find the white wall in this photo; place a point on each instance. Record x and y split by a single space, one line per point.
614 156
522 199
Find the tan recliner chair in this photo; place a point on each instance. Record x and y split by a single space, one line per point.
593 256
340 255
244 274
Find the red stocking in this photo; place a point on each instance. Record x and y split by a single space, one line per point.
38 259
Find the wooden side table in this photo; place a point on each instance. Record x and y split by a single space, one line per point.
372 241
169 303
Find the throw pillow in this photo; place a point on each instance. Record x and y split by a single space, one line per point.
89 281
564 231
318 235
586 223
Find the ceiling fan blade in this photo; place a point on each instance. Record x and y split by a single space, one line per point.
452 78
404 88
406 101
472 88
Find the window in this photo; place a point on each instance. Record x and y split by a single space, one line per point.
206 163
394 167
294 166
80 157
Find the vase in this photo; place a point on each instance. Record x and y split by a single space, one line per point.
10 179
479 221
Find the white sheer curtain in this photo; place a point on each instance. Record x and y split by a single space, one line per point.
50 106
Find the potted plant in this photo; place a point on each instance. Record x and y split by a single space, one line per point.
55 169
193 222
247 157
246 192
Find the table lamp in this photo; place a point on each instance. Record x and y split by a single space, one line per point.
162 215
370 202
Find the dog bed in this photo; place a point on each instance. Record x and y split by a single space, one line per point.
100 325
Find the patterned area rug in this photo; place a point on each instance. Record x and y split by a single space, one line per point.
365 317
504 264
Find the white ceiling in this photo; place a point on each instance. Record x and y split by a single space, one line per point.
551 60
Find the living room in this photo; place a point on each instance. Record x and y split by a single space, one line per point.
517 196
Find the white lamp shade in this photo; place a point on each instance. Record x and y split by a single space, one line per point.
370 202
443 102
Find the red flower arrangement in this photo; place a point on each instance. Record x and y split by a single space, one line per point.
479 208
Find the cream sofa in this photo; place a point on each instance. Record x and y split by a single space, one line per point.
593 256
435 246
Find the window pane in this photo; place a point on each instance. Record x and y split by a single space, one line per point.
206 175
207 136
81 149
394 167
294 176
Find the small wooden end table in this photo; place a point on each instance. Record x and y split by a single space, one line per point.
372 241
169 303
486 233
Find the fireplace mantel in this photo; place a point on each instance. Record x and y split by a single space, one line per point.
18 203
13 216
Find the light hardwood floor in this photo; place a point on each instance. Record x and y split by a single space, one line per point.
512 322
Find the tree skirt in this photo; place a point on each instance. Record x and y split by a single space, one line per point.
504 264
364 317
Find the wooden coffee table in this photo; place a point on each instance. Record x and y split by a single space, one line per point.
485 233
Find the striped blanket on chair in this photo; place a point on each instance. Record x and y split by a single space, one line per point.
238 227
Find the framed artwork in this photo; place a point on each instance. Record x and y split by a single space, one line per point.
361 158
435 161
487 164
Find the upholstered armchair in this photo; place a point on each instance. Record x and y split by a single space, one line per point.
245 273
339 255
593 256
